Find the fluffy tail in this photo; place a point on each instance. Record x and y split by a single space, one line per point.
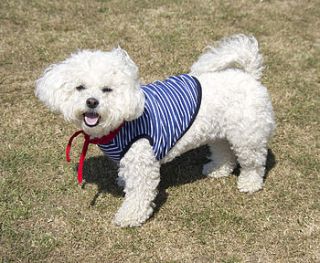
238 51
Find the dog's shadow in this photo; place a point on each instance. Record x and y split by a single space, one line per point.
183 170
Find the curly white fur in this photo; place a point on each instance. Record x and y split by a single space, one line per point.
94 70
237 51
235 117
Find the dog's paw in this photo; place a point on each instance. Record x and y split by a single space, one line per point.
130 215
126 222
211 170
250 182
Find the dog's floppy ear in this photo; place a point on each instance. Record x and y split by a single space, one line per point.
49 87
128 66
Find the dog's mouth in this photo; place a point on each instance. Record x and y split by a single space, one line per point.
91 119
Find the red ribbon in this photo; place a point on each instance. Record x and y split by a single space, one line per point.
103 140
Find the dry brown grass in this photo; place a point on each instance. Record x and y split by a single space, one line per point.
45 216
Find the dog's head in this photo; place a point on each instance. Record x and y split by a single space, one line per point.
95 90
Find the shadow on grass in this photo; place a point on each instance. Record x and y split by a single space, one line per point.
182 170
271 163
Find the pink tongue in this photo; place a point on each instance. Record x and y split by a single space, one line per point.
91 119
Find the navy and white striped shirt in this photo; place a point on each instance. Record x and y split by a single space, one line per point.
170 108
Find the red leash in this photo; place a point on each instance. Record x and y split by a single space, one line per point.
103 140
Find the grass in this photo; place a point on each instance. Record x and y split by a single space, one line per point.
46 217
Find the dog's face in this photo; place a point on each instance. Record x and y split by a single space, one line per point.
95 90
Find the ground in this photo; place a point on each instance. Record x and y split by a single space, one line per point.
45 216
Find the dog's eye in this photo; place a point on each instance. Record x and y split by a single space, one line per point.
106 89
81 87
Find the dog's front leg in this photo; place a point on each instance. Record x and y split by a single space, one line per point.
141 172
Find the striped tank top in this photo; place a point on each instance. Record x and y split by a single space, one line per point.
170 109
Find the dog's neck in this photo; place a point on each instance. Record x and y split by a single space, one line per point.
87 140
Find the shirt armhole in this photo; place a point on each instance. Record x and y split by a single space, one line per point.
136 139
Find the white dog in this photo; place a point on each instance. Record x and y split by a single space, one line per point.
220 103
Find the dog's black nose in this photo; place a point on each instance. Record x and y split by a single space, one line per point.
92 103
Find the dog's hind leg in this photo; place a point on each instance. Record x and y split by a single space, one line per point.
252 160
222 158
141 172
